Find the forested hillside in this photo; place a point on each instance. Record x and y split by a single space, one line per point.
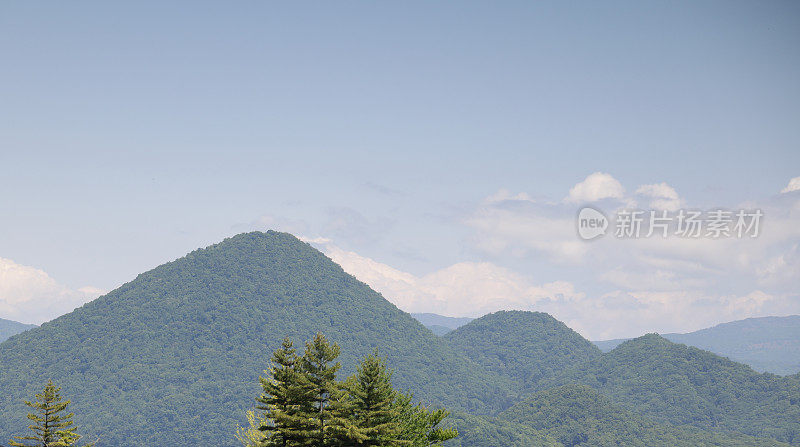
182 347
183 344
579 415
525 346
681 385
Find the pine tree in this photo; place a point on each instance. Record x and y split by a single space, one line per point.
285 396
303 405
319 383
51 428
368 415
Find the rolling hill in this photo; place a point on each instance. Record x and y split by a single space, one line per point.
767 344
172 357
524 346
680 385
578 415
9 328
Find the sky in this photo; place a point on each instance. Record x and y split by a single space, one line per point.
438 151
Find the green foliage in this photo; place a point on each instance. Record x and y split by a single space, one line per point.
367 412
525 346
419 425
486 431
319 384
680 385
185 341
286 398
578 415
51 427
363 411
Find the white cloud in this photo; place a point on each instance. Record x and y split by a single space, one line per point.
596 187
645 301
463 289
662 196
609 287
30 295
631 286
794 185
532 228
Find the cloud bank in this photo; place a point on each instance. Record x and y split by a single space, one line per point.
609 287
29 295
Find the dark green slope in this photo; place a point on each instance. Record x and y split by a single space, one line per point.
681 385
579 415
9 328
524 346
485 431
767 344
172 357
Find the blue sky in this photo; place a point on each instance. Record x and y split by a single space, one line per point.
131 134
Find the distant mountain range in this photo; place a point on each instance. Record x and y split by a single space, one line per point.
9 328
173 357
440 324
767 344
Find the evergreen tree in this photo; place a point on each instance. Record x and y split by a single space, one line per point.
319 385
51 427
303 405
368 416
286 394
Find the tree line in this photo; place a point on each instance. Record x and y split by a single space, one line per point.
302 404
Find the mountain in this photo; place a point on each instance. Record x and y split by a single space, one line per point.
440 324
9 328
676 384
767 344
578 415
523 346
173 357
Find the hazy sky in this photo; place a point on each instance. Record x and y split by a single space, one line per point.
432 145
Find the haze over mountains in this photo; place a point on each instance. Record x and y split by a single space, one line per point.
181 347
9 328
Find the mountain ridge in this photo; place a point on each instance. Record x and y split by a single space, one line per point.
676 384
767 344
187 340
